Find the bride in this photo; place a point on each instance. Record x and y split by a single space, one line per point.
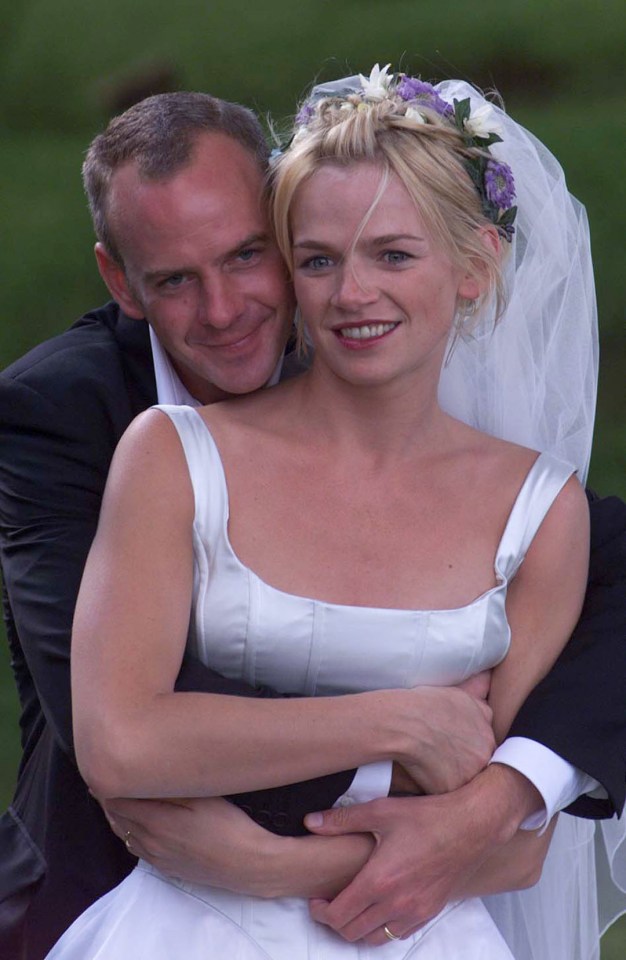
348 534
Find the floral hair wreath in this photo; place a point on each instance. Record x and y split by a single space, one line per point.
479 129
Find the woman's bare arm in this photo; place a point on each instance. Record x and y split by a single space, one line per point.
543 605
134 736
544 601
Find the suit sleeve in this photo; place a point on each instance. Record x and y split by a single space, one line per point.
579 709
56 452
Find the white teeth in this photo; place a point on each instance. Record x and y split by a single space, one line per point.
366 332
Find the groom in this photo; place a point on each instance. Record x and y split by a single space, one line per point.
218 318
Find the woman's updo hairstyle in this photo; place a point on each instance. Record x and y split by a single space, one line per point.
441 166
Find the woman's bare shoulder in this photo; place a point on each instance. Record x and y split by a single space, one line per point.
493 456
149 460
263 413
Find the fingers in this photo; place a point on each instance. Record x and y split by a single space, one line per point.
363 906
364 926
393 888
478 685
134 822
360 818
139 811
122 829
368 925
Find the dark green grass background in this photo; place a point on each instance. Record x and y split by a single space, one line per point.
65 66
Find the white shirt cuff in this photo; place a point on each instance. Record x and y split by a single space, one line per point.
370 782
558 782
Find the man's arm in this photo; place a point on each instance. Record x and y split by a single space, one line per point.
429 851
578 709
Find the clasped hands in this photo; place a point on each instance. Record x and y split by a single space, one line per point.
394 861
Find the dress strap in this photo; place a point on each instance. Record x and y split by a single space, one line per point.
205 470
544 481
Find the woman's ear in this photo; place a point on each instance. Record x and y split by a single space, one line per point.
474 283
114 276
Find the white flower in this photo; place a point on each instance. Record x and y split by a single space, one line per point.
375 86
483 121
347 107
412 114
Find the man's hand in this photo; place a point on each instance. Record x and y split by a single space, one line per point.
207 841
457 738
427 851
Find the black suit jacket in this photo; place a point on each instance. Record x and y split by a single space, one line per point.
63 408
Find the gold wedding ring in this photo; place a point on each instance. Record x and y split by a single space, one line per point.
389 934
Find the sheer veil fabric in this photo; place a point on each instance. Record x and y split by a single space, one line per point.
532 379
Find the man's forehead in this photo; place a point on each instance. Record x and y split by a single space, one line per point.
203 190
217 157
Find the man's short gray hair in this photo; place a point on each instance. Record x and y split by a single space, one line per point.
159 135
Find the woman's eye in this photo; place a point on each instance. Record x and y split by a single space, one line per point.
316 263
396 256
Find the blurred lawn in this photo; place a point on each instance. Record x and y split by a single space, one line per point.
65 66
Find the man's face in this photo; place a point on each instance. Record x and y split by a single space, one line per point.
202 267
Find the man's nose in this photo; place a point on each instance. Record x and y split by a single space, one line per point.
352 290
221 302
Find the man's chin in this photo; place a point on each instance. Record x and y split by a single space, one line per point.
225 388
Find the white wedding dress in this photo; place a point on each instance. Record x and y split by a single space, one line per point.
242 627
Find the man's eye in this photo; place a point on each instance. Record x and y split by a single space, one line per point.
248 254
175 280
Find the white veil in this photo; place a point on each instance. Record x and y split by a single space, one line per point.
533 380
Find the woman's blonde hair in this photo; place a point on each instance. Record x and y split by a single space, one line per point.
428 157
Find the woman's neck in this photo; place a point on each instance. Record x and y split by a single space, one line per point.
392 419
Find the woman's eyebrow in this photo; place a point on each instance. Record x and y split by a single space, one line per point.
393 237
309 244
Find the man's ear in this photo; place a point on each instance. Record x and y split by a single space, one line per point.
473 284
115 278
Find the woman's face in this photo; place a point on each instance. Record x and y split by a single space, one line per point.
380 307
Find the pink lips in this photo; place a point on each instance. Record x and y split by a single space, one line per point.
360 342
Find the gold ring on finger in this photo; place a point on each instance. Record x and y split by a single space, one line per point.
389 934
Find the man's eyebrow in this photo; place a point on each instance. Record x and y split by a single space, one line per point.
151 275
248 241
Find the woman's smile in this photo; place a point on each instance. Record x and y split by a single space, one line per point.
365 334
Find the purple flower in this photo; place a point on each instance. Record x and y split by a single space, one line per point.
305 113
409 88
499 184
506 231
412 88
